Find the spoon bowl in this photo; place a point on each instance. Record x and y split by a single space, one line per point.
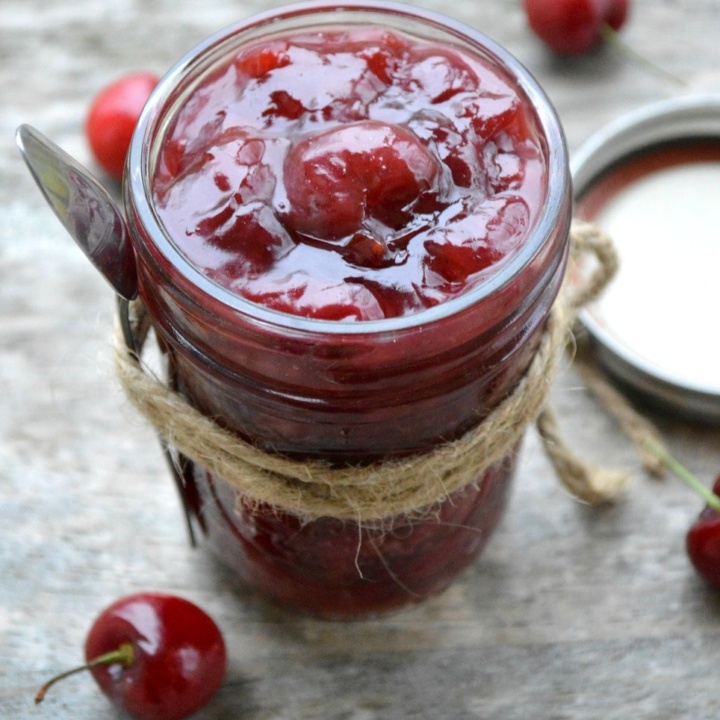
84 207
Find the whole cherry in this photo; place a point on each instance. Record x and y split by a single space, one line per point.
337 177
573 27
112 117
156 656
702 540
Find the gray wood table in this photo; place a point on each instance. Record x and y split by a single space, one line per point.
572 612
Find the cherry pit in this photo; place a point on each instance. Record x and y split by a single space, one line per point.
155 655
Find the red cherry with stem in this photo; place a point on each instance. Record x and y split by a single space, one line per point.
702 540
112 117
156 656
573 27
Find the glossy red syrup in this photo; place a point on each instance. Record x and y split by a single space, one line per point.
350 174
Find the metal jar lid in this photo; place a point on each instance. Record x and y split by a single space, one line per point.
657 327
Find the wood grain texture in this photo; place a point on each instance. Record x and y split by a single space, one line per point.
572 613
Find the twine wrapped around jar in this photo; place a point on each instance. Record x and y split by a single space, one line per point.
409 485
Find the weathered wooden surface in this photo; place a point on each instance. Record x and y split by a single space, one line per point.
571 613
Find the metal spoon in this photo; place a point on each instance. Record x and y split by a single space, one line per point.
85 209
96 224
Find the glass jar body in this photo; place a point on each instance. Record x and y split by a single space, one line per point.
347 393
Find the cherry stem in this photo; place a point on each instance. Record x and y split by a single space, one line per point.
610 35
684 474
125 655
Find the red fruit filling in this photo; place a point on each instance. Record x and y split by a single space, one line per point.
351 174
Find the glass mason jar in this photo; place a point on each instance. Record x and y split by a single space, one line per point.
342 391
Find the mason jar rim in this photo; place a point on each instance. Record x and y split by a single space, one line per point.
138 181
